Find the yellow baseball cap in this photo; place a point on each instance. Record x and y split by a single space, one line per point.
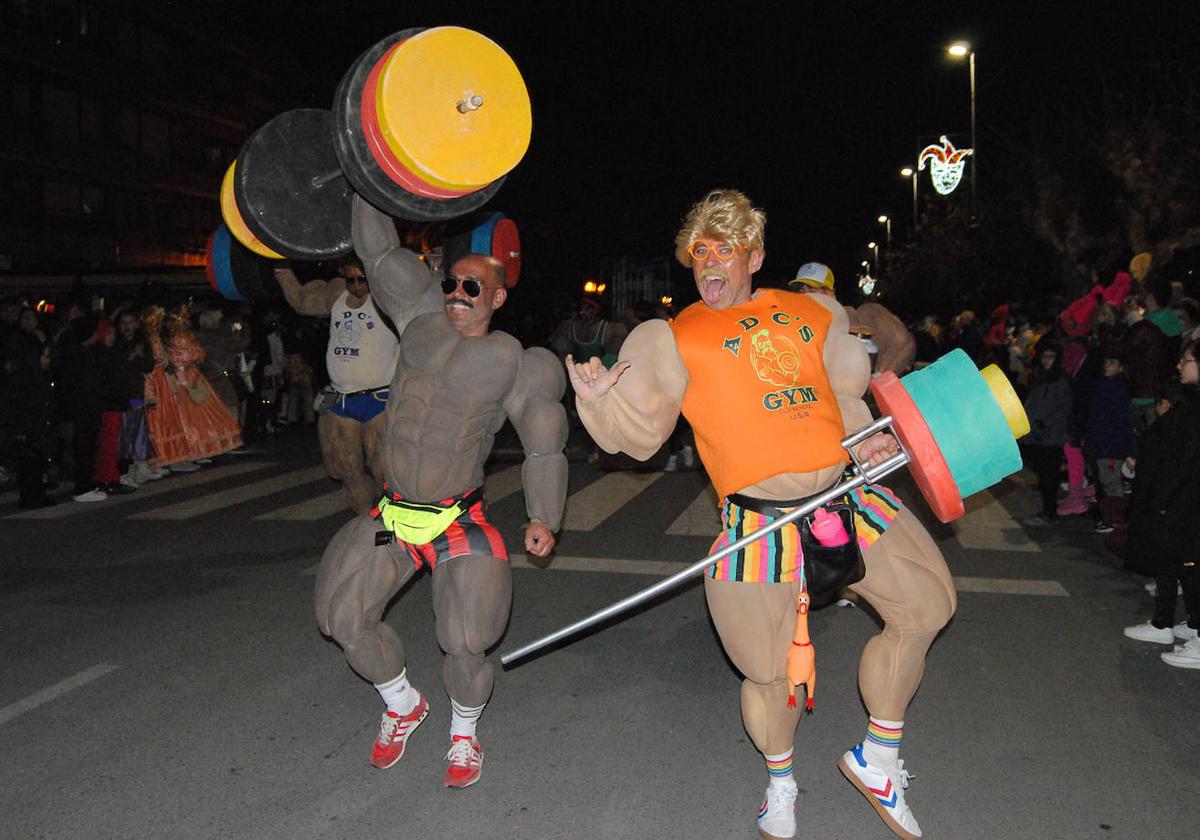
814 274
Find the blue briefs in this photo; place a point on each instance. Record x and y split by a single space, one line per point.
362 406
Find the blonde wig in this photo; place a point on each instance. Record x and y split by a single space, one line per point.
152 319
725 215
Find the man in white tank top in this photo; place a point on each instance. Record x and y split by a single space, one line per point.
361 360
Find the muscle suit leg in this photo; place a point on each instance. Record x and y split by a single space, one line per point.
909 585
342 443
355 582
756 622
472 596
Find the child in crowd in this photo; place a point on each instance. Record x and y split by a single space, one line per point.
1164 530
1048 406
1108 439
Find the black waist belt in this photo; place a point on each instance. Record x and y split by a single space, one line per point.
772 507
466 500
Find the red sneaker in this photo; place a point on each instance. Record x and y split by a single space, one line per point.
393 732
466 760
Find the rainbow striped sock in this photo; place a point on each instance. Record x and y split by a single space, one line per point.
779 768
882 744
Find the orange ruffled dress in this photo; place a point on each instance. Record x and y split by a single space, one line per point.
187 421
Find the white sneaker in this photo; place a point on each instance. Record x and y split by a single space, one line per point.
689 457
1186 655
129 481
885 791
184 467
1182 632
91 496
1147 632
777 817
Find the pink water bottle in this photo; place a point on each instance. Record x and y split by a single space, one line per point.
828 528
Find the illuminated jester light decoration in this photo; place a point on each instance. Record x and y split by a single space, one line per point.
946 165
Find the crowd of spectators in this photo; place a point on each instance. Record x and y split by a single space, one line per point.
109 398
1112 391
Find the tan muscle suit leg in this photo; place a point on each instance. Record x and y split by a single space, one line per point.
472 597
908 584
756 622
355 582
343 442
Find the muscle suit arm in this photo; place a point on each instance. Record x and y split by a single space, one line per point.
316 297
848 366
640 411
535 408
401 285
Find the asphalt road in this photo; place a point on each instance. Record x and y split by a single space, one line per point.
161 675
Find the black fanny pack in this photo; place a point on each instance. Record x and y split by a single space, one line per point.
828 569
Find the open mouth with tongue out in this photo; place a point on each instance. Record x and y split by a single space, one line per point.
712 283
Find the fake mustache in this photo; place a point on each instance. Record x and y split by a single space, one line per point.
463 301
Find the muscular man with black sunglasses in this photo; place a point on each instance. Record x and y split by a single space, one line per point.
455 385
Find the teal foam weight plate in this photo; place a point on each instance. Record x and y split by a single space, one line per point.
966 422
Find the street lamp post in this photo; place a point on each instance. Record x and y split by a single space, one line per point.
908 172
958 50
874 246
886 221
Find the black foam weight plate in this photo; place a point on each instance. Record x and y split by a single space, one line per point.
364 174
253 275
290 188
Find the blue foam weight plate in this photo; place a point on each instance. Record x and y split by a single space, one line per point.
966 422
481 237
223 265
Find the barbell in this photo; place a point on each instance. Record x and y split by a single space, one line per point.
425 126
957 427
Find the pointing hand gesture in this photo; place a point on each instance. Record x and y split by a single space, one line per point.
591 379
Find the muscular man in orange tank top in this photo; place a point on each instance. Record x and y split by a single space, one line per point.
771 381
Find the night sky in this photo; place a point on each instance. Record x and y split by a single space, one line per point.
811 110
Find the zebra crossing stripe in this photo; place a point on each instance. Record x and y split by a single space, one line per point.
988 526
170 484
499 485
40 698
310 510
588 507
235 496
702 517
502 484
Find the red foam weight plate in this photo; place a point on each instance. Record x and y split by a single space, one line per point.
506 247
927 465
383 153
208 263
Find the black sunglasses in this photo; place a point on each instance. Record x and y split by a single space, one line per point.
469 285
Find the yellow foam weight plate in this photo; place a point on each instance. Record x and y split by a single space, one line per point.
235 223
420 90
1007 399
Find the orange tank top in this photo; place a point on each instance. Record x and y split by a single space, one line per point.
758 397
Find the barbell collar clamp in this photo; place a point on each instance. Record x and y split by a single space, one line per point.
472 103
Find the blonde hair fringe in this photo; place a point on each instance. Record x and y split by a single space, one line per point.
726 215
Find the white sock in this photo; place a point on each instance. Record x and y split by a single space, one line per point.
463 719
779 769
400 697
881 747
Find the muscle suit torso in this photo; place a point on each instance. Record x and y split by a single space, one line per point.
447 403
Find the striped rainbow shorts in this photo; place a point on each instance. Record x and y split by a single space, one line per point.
777 557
